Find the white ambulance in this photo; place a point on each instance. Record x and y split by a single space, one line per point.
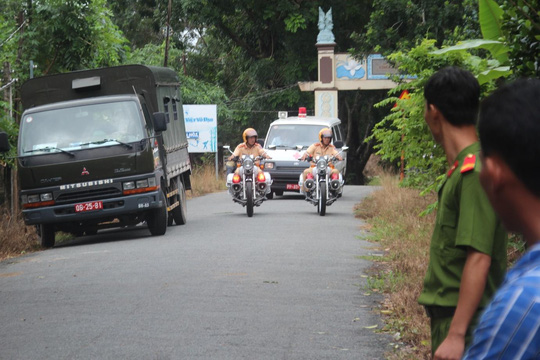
282 142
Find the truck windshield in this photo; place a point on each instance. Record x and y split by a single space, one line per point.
81 127
290 135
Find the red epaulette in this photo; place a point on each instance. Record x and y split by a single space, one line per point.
317 144
451 170
469 163
242 145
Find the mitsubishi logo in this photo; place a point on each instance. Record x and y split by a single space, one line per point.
85 172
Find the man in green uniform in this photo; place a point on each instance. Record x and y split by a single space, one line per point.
468 247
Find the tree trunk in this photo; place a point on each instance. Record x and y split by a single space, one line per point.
360 117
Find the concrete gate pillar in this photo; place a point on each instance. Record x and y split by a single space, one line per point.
326 95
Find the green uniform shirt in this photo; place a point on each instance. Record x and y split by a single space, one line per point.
464 218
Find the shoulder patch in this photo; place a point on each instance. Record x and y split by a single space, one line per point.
469 163
451 170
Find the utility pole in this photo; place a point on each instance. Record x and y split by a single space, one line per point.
6 79
169 9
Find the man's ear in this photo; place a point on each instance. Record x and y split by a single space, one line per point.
434 110
433 116
496 171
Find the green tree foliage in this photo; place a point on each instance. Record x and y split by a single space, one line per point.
401 24
141 21
10 127
521 28
404 131
72 35
425 160
193 91
257 51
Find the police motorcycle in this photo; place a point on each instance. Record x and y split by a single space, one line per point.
249 187
324 188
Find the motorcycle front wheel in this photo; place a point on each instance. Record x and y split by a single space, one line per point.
321 205
249 199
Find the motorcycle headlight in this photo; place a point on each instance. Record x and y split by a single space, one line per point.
248 164
321 164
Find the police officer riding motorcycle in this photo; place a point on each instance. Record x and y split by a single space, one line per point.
321 183
248 184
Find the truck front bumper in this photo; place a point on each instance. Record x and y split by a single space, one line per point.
112 208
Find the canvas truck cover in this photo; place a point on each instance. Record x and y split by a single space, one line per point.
158 86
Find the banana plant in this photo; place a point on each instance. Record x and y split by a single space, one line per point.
490 15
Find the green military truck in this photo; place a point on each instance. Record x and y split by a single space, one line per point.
103 148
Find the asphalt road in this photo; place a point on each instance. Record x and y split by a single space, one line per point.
284 284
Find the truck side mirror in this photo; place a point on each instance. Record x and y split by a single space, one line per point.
160 121
4 142
338 144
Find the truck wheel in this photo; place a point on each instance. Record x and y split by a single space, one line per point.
157 219
270 195
179 212
279 192
47 235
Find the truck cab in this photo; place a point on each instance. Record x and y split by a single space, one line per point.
287 139
103 148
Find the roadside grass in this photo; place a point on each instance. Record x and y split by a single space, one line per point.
203 181
395 226
403 236
17 239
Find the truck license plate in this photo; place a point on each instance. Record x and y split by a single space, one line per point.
293 187
89 206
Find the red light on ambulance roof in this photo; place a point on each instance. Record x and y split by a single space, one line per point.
302 112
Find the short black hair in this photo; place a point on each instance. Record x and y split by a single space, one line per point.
509 126
456 93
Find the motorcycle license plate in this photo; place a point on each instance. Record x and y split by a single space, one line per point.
89 206
293 187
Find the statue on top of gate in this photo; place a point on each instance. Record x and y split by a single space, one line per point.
325 27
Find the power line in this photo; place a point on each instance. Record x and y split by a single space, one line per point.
13 34
260 95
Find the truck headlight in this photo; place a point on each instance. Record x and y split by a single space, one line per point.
268 165
129 185
142 183
139 186
46 197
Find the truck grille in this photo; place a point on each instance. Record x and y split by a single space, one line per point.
88 195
